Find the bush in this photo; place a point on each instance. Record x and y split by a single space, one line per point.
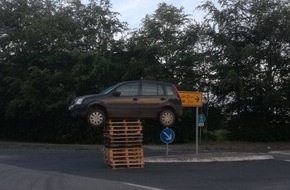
217 135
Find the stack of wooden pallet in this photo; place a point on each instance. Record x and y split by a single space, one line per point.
123 144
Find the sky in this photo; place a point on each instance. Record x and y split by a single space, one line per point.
133 11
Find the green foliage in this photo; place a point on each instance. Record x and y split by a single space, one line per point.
252 64
46 60
217 135
165 43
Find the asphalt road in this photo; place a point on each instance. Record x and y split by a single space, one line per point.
85 170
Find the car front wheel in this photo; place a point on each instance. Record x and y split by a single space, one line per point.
96 117
167 118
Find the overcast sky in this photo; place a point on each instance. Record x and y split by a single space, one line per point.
132 11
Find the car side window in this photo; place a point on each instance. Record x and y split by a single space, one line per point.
130 89
152 89
149 89
160 90
169 90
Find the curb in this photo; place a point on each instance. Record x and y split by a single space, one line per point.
208 157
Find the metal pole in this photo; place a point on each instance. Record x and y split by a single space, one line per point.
196 132
166 149
200 130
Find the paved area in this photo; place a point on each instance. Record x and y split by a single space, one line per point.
208 152
27 179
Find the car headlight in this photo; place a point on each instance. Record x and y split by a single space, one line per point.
79 101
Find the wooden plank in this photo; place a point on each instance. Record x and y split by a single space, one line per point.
123 155
122 144
123 136
124 127
125 166
125 161
127 154
123 150
123 139
123 130
122 122
131 153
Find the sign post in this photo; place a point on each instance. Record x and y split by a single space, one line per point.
192 99
196 132
167 136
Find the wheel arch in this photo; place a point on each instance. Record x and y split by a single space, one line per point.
99 106
165 107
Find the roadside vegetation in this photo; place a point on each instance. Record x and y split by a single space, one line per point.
239 57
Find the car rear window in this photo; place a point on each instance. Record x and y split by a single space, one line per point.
169 91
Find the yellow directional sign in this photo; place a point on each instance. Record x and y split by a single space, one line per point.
191 99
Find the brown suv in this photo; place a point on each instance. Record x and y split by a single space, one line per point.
130 99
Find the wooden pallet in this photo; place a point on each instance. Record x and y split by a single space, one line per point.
120 152
122 166
126 163
123 122
124 157
115 135
123 130
125 138
123 144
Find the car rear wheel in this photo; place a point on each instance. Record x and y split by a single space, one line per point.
96 117
167 118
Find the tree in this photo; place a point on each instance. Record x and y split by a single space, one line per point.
251 43
167 42
49 53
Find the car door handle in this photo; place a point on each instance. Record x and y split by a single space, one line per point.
162 99
135 99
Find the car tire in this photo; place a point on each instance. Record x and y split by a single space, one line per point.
167 118
96 117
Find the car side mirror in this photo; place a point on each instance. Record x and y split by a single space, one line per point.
116 93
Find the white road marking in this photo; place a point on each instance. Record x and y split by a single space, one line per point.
141 186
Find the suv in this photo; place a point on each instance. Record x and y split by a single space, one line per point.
130 99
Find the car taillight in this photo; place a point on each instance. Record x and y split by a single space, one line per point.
177 92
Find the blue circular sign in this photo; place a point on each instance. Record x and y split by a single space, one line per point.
167 136
201 118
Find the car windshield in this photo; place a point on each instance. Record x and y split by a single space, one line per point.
109 89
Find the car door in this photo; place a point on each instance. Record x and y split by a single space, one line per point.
124 101
151 99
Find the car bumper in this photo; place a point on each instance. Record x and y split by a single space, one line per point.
77 110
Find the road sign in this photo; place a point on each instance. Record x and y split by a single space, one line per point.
201 118
201 124
191 99
167 135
